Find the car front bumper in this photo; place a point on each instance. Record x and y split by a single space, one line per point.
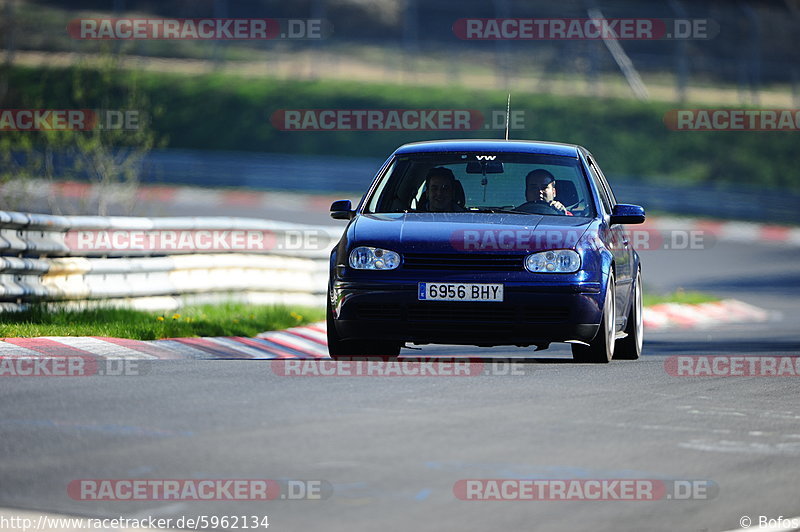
529 314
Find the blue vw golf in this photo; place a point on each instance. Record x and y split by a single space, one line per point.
486 242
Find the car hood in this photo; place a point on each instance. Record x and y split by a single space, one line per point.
467 232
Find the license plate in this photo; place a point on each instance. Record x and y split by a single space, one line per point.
460 292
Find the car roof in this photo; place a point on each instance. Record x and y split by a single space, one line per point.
492 145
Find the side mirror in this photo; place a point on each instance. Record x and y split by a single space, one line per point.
342 210
627 214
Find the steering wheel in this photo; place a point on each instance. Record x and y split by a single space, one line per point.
536 207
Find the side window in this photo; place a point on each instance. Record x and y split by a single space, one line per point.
603 180
378 193
600 185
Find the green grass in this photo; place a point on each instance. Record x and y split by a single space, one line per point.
679 296
628 137
233 319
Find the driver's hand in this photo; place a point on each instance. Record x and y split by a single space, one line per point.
557 205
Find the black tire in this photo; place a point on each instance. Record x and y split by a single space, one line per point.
350 349
630 347
601 349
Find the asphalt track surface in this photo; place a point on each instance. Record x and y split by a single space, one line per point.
392 448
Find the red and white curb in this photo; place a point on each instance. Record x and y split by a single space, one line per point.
310 341
297 342
182 195
701 315
722 231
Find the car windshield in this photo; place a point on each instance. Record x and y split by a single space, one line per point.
483 182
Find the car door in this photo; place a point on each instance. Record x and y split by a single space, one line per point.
620 245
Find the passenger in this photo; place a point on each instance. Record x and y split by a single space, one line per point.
540 193
441 191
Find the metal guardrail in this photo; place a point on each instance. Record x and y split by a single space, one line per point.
46 258
354 174
746 204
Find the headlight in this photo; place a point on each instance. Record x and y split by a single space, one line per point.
556 261
366 258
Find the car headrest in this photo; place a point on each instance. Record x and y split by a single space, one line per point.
566 192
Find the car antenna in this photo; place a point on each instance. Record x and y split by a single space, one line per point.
508 112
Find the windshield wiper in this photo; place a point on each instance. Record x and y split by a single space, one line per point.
497 210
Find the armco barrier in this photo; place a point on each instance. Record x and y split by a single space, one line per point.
40 262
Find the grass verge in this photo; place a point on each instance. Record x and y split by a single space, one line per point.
234 319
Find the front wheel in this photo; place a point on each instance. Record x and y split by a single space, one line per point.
630 347
350 349
601 349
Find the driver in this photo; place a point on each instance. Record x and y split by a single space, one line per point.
540 193
441 191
